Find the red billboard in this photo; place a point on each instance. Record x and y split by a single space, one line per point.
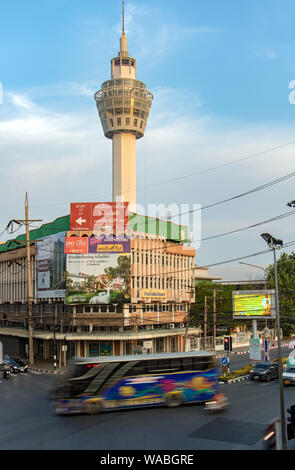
100 216
76 245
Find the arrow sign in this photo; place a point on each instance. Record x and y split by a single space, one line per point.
80 221
224 361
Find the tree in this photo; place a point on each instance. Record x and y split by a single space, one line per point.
286 287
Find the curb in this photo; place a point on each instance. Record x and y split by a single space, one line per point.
237 379
245 352
46 371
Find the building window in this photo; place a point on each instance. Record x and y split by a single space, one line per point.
127 122
119 121
135 122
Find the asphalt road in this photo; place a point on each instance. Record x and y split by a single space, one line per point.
28 422
237 361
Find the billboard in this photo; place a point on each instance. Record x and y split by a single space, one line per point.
254 349
254 304
98 278
50 258
108 217
76 245
103 244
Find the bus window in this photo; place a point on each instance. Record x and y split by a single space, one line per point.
201 363
187 363
162 366
100 379
138 368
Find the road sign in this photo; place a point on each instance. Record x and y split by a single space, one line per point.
255 349
99 216
224 361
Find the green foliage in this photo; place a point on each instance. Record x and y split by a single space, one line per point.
286 288
236 373
224 309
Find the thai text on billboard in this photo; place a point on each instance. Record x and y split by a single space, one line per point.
101 217
254 304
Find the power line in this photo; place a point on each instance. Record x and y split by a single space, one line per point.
199 172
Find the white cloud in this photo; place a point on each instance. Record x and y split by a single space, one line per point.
267 54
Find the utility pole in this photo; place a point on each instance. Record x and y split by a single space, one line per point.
30 320
27 222
205 322
214 321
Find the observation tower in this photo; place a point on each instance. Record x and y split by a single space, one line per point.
123 105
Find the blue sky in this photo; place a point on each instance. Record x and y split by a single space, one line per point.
219 72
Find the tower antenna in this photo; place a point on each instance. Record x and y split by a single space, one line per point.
123 18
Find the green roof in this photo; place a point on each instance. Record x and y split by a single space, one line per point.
137 223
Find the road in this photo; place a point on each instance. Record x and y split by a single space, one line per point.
238 358
28 422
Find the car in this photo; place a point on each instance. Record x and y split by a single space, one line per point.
289 375
264 371
21 363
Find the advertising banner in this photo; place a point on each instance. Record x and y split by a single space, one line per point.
50 258
76 245
109 245
109 217
254 349
98 278
255 304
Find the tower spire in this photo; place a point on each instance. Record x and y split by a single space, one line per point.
123 39
123 18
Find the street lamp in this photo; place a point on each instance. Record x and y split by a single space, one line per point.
276 244
260 267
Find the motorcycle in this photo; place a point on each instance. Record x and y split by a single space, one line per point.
219 403
6 372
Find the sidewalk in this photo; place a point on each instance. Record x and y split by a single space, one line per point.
46 367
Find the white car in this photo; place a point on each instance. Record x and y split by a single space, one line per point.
289 376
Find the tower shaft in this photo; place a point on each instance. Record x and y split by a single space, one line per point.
124 167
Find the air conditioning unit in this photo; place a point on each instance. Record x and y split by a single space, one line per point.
171 326
181 325
79 329
90 328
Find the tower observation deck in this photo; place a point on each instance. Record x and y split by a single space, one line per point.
123 105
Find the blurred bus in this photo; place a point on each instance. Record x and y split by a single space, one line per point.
95 384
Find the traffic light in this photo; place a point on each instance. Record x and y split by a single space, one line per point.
291 419
227 343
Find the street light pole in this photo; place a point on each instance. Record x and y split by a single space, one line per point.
282 397
260 267
276 244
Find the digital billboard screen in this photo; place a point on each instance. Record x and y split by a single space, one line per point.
254 304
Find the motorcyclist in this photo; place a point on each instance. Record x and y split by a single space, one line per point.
6 371
218 403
